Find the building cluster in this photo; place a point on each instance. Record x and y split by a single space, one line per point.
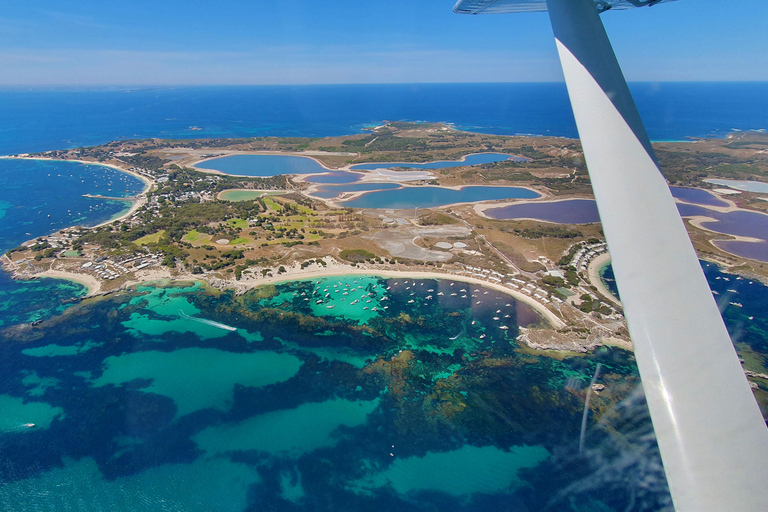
61 240
586 254
512 282
112 269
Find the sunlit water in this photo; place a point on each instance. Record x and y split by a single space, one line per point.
346 393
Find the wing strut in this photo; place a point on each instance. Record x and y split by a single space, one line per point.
713 439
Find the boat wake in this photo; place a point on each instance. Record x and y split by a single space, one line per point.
207 322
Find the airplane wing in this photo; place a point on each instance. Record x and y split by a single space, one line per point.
507 6
711 434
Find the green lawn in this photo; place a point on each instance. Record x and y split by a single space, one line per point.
238 223
193 236
150 239
246 195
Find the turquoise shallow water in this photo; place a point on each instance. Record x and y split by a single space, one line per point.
169 397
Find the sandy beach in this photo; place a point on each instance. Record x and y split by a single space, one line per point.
593 272
250 281
90 282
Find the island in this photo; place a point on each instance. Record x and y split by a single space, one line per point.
233 231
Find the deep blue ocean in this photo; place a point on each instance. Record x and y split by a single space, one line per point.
41 119
142 401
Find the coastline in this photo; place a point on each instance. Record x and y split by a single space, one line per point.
94 285
148 182
593 272
139 200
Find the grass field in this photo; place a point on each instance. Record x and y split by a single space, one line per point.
238 223
150 239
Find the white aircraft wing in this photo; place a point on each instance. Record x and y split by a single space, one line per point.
711 434
507 6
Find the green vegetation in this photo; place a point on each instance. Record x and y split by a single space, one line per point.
356 255
150 239
238 223
554 231
436 219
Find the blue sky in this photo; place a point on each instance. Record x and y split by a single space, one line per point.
86 42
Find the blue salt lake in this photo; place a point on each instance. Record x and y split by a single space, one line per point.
569 211
746 186
583 211
697 196
740 223
478 158
335 177
262 166
428 197
331 191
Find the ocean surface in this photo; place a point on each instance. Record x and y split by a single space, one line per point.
39 197
172 397
45 119
388 394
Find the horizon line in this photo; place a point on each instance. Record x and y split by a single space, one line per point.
332 84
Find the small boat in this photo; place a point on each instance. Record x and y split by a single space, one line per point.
482 336
738 305
504 327
29 425
330 307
